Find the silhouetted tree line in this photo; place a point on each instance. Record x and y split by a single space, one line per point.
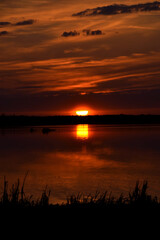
13 120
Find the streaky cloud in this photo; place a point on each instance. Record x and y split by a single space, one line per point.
119 9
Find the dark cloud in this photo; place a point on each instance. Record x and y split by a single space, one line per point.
70 34
119 9
26 22
22 23
3 33
86 32
4 24
92 33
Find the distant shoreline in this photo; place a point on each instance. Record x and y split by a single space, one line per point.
17 121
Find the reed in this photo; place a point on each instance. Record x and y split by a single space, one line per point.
15 197
138 198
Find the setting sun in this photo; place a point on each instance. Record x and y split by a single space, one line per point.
82 113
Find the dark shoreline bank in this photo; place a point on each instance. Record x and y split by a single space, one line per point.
17 121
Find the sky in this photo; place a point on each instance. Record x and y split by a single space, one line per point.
58 57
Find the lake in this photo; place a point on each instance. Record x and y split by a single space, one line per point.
85 158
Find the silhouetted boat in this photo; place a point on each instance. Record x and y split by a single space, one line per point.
47 130
32 130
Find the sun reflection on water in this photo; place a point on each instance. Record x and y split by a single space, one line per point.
82 131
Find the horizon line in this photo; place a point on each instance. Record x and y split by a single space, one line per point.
89 115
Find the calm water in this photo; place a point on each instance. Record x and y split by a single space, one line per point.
81 158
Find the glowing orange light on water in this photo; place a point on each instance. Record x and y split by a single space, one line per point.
82 131
82 112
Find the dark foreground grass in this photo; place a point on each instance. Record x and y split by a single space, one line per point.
15 198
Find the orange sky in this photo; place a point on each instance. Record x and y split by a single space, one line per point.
44 72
